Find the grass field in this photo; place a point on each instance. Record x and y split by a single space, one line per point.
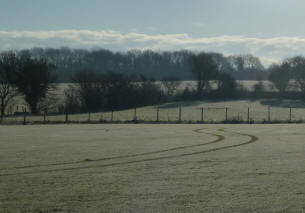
152 168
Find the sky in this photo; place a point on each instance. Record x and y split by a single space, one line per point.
269 29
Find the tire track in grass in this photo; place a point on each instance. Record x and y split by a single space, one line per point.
253 139
219 138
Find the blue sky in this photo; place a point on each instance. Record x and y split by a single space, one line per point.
271 29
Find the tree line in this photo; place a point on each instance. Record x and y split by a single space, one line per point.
35 77
94 91
289 73
148 63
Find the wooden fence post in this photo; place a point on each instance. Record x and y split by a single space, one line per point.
226 113
290 114
157 114
135 114
179 113
67 115
269 118
1 117
44 115
24 115
202 114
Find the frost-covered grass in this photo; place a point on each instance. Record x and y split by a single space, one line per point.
152 168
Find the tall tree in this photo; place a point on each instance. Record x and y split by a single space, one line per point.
247 63
204 69
34 79
89 88
297 65
279 76
226 84
222 62
8 67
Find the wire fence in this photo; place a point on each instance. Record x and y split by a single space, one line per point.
177 114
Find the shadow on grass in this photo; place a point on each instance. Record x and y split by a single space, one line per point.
182 104
196 103
283 103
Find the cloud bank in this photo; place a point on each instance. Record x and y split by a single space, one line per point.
268 49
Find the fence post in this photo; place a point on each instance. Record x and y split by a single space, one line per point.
1 117
290 114
157 114
135 114
202 114
24 115
44 115
269 118
111 115
226 113
67 115
248 114
179 113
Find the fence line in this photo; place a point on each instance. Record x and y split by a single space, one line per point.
178 115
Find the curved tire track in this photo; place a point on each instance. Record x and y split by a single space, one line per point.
253 139
218 139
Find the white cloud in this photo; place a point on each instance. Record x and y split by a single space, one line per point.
268 49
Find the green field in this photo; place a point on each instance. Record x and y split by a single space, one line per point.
152 168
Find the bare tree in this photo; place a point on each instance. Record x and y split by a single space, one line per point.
72 99
280 75
226 84
204 69
88 90
8 67
49 103
297 65
247 63
33 80
258 88
170 84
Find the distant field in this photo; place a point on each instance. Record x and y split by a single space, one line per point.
152 168
248 84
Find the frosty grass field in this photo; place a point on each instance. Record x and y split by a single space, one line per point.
152 168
